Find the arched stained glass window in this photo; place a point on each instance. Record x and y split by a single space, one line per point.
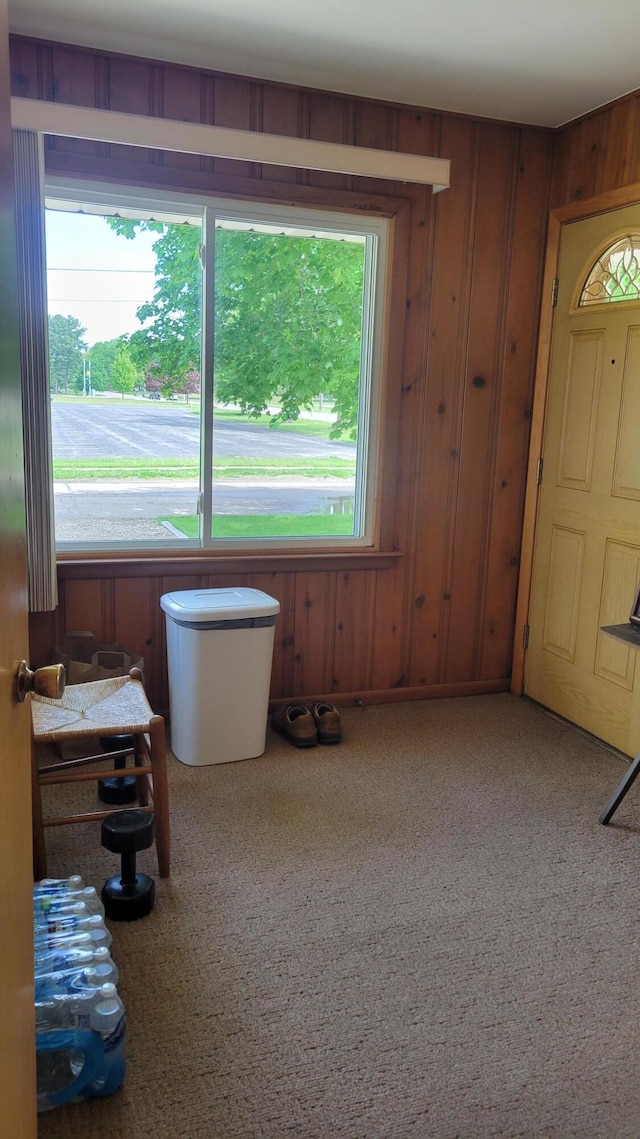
615 275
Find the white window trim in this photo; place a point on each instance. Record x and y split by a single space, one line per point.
373 353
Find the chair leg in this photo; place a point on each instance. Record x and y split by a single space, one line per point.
158 755
140 753
625 784
39 848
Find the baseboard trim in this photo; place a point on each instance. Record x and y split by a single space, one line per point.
391 695
396 695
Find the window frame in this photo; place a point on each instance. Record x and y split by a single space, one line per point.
211 206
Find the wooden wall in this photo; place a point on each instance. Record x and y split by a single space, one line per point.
597 153
437 615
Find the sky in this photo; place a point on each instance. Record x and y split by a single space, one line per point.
96 275
102 278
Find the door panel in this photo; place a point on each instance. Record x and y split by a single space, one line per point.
563 592
587 556
580 412
17 1054
626 473
614 661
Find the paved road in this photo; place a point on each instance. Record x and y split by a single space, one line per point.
91 431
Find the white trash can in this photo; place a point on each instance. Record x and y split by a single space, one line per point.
219 653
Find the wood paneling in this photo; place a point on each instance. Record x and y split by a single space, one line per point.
354 612
438 616
327 118
90 607
280 115
514 412
433 482
597 153
313 610
480 391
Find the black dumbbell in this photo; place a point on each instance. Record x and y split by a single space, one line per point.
118 789
129 895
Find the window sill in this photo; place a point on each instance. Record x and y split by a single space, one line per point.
72 566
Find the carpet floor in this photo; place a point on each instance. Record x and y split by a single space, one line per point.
422 932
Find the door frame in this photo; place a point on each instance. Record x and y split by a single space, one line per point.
574 211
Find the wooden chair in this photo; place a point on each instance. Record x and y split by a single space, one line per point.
113 707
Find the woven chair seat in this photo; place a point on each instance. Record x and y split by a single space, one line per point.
102 707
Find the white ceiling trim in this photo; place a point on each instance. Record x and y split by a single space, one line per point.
223 142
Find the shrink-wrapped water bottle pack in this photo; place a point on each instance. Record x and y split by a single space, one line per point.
80 1018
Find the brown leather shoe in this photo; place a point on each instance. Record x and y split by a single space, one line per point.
327 721
296 723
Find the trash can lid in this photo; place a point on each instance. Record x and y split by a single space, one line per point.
218 604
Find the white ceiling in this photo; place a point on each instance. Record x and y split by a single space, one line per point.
542 62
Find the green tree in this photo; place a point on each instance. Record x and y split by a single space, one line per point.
66 345
102 356
124 374
288 322
288 313
171 339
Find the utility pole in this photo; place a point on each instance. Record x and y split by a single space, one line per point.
86 375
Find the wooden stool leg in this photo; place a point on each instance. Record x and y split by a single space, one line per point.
140 757
158 753
39 848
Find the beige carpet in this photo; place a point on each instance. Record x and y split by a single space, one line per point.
422 932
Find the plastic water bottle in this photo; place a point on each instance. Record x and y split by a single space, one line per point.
80 1019
90 939
69 980
108 1020
67 957
67 923
70 939
71 1009
43 914
56 1080
44 902
59 885
80 1039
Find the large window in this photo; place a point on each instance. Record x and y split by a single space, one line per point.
214 371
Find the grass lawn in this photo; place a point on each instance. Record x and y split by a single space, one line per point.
90 469
227 467
317 428
267 525
113 400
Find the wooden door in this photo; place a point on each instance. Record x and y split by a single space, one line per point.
17 1054
587 555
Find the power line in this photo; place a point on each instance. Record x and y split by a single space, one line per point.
96 301
68 269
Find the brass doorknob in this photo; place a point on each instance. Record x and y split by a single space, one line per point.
48 681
